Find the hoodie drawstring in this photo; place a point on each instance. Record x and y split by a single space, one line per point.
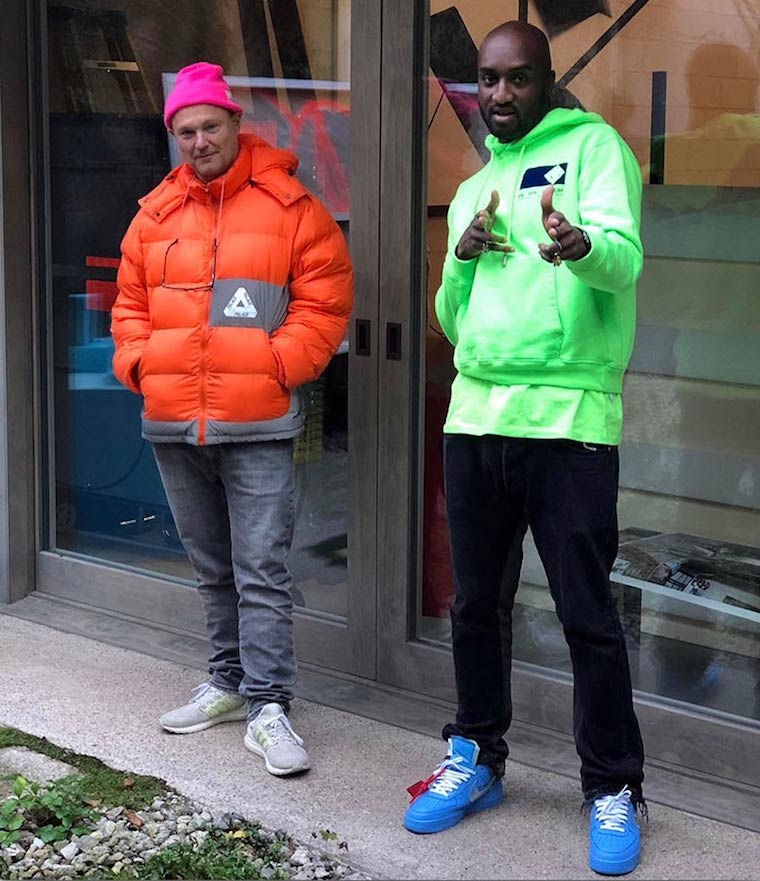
512 200
219 213
512 204
215 243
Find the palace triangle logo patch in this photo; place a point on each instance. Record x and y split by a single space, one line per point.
240 305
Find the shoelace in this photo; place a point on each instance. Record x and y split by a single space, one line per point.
279 729
205 693
612 810
200 690
453 773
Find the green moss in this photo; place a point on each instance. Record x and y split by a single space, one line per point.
99 781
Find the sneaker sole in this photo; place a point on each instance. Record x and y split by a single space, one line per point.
619 867
232 716
423 826
251 745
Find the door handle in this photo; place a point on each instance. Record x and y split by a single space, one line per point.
393 341
363 337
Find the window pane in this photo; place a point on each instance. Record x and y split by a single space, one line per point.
680 82
110 65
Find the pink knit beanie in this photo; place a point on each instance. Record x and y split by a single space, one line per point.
200 83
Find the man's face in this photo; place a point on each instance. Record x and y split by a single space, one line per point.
513 85
207 138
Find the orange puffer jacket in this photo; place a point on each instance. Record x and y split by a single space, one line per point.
221 363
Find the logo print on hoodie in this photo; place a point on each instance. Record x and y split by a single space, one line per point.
542 175
240 305
554 175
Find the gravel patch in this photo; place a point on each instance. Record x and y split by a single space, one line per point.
122 840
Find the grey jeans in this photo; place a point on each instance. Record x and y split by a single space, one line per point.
233 507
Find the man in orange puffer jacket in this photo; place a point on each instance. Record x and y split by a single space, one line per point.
235 288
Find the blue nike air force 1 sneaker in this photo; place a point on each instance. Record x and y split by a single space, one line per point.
613 834
459 786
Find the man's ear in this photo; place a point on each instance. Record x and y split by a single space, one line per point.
236 117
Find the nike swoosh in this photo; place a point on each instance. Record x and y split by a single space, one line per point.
475 794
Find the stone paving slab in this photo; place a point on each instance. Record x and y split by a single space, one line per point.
17 760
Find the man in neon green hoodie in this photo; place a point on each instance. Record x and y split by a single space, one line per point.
538 299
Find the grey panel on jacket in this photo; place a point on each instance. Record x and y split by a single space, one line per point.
247 433
246 302
170 432
288 425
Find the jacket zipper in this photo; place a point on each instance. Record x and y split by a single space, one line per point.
202 397
202 415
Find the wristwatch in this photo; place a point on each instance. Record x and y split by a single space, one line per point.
586 240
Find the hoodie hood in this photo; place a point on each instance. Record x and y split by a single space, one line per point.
549 126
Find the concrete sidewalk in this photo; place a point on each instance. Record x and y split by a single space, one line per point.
104 701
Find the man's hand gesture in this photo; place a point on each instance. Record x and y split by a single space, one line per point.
568 242
478 238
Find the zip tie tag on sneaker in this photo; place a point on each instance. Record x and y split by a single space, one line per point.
416 789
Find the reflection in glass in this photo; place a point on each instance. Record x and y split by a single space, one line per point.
288 65
687 575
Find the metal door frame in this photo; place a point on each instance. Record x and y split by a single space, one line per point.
18 347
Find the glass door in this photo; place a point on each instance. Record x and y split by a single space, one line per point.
297 68
685 98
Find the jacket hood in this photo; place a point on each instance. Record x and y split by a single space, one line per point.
554 121
257 163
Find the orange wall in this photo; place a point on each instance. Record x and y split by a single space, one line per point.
710 51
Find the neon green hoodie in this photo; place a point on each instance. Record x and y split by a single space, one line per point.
526 321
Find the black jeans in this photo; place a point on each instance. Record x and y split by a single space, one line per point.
567 493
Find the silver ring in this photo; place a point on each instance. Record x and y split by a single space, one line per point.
558 243
485 247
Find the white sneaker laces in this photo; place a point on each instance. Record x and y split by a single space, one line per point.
279 729
200 691
612 810
453 775
206 694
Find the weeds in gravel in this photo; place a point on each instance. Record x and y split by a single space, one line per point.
242 854
234 849
53 811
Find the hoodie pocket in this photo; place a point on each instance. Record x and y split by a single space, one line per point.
512 315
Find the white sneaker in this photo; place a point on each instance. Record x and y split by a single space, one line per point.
209 706
271 736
